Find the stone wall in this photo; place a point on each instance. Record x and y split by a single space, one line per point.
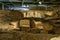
4 23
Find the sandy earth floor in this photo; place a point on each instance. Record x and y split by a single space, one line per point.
25 36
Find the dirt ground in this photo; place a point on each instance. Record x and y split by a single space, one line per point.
18 35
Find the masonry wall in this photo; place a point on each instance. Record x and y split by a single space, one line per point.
4 24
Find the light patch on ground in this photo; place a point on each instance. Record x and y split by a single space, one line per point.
55 38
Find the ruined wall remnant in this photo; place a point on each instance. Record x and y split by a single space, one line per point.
9 19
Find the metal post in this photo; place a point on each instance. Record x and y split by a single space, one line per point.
2 6
46 7
22 2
